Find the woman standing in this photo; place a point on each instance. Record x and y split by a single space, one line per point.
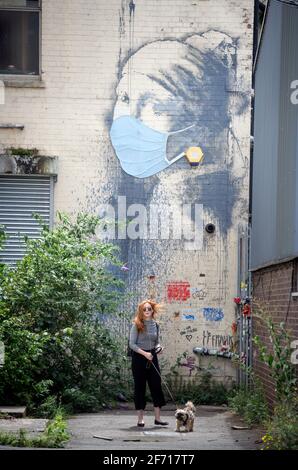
144 342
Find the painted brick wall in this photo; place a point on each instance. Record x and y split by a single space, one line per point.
101 58
272 286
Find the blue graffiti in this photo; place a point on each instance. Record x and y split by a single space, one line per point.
188 317
213 314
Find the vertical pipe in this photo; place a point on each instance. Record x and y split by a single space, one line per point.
250 221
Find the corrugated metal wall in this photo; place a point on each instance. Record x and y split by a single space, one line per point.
20 197
274 186
286 243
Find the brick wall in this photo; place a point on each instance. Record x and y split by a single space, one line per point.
272 287
155 62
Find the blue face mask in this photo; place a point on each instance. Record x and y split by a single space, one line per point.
140 149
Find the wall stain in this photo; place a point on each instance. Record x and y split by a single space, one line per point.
132 7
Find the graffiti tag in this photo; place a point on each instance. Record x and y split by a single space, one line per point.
178 291
216 340
198 293
188 331
188 317
189 364
213 314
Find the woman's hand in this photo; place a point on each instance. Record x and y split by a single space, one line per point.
148 356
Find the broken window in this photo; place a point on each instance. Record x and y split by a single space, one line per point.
19 37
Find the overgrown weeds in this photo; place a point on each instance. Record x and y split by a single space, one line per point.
56 310
55 435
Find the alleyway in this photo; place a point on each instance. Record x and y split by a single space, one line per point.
212 430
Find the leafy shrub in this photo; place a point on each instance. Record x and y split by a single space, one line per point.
46 409
250 404
238 400
201 390
54 312
19 376
81 400
278 359
55 433
282 429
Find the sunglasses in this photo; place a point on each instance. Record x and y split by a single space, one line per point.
147 309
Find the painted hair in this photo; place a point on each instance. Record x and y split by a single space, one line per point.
139 318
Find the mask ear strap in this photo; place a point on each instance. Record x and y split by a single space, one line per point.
181 130
180 154
175 159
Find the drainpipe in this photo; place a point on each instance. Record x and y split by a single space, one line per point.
257 38
255 49
249 290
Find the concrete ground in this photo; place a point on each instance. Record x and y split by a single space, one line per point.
32 426
117 430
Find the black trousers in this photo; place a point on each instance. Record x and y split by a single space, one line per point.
143 371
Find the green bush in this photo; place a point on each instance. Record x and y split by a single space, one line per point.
278 357
250 404
19 376
237 401
55 308
201 390
46 409
81 400
55 433
282 428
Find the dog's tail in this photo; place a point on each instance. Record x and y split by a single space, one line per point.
190 406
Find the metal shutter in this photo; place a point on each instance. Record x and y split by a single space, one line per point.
20 196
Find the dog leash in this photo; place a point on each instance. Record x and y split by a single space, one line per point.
164 382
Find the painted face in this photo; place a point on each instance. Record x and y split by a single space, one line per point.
156 98
165 86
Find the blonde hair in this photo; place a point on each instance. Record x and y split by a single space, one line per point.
139 318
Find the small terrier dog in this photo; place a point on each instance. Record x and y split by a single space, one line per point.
185 417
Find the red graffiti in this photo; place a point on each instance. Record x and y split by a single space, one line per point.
178 291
